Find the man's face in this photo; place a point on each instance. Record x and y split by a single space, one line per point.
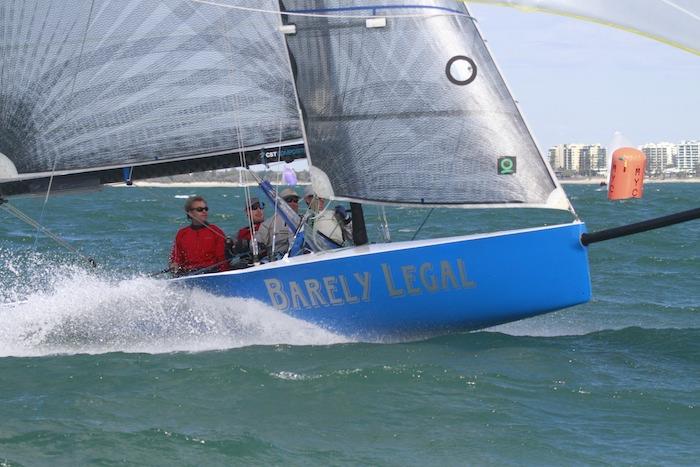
199 212
314 203
293 201
256 213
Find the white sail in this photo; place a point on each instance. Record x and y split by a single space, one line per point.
674 22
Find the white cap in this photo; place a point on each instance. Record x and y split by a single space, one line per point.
309 191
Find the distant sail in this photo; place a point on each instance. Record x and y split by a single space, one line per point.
674 22
414 112
91 84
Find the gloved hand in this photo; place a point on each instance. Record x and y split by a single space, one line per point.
342 215
241 246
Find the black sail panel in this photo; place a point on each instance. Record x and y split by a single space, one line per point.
413 111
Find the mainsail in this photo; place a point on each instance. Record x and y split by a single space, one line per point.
413 111
89 84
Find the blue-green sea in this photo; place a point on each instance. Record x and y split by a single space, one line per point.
112 366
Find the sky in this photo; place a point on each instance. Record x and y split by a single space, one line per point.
580 82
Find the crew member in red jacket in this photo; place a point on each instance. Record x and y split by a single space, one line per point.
242 248
200 245
256 216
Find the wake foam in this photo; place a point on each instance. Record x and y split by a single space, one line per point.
84 313
551 325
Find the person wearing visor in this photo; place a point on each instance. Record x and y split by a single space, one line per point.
255 213
199 247
274 229
240 250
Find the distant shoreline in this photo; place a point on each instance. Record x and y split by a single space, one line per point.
597 181
585 181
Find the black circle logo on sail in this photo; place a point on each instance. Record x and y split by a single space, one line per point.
461 70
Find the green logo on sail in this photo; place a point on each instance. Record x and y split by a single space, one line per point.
506 165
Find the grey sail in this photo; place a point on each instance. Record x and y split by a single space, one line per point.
413 112
91 84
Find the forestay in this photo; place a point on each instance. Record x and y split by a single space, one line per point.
413 111
88 84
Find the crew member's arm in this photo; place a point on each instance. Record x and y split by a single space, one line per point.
177 258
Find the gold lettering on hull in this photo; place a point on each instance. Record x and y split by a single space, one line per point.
331 288
347 289
349 298
390 287
312 293
363 279
297 295
426 278
466 283
313 288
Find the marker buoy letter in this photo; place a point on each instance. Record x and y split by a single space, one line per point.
627 174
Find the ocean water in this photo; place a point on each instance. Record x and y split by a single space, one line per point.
109 366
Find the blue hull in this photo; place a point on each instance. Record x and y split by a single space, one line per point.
421 288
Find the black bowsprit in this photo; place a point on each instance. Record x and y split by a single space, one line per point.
638 227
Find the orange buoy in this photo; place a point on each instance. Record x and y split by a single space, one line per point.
627 174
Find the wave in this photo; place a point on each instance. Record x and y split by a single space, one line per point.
82 312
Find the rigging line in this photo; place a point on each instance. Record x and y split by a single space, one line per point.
72 91
246 189
4 204
239 137
279 157
422 224
681 9
274 215
383 224
298 230
318 13
156 193
255 250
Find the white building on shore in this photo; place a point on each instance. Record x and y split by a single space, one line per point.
584 159
660 156
688 156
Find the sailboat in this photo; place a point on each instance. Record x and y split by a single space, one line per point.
397 104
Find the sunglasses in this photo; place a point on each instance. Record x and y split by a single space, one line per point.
292 199
256 206
205 209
